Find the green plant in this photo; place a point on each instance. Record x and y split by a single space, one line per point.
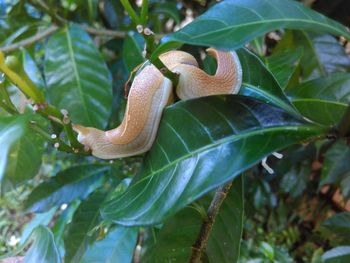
205 185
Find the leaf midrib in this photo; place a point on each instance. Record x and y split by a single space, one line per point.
347 36
77 76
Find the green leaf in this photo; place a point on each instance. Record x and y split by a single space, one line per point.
322 54
11 129
339 224
75 182
336 164
38 219
82 230
258 82
225 239
176 237
16 149
323 100
231 24
77 77
118 247
132 50
202 144
169 9
25 157
283 65
43 248
337 255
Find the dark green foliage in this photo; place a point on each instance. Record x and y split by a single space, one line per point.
294 99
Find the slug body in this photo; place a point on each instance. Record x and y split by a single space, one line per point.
151 92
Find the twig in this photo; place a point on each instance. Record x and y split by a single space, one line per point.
344 124
213 210
137 252
28 41
105 32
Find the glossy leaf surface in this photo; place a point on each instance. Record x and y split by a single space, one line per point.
232 23
75 182
117 247
200 145
77 77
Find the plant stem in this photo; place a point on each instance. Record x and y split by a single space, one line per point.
28 41
174 77
213 210
344 124
144 12
131 12
61 145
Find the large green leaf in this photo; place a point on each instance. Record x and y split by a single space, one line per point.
225 239
43 248
82 229
77 77
118 247
258 82
75 182
324 99
232 23
200 145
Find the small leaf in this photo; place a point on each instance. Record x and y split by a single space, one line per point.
77 77
231 24
81 230
283 65
118 247
21 149
201 144
258 82
38 219
43 248
75 182
339 224
337 255
323 100
336 164
132 50
322 54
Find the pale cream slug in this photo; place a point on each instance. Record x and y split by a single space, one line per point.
151 92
